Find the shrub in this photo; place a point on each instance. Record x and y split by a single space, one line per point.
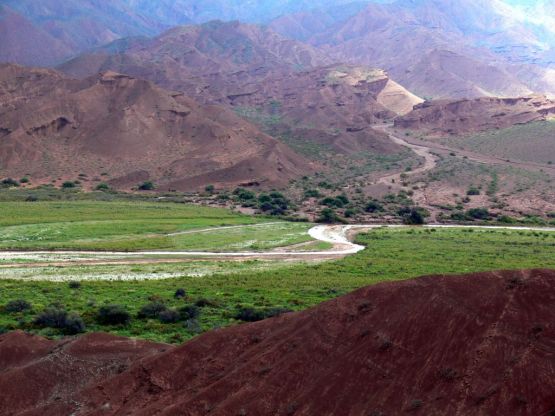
473 191
146 186
24 180
250 315
152 310
478 213
312 193
18 305
328 216
373 206
169 316
189 312
210 188
9 183
244 195
51 317
68 185
203 303
32 198
413 216
113 315
253 315
180 293
102 187
74 284
73 324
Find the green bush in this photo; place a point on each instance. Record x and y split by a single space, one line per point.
478 214
74 324
473 191
180 293
113 315
18 305
9 183
328 216
103 187
58 318
68 185
146 186
373 206
189 312
169 316
152 310
74 284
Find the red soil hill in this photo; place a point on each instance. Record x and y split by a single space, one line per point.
481 344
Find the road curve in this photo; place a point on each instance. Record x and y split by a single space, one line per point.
338 235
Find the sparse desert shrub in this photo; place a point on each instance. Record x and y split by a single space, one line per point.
9 183
328 216
169 316
24 180
473 191
189 312
373 206
146 186
18 305
102 187
312 193
414 215
113 315
68 185
478 213
180 293
152 310
210 189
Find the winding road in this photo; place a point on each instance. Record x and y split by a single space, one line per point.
338 235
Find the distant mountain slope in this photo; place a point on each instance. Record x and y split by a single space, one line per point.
211 59
437 48
479 344
54 127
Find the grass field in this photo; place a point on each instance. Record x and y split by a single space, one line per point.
392 254
131 226
533 142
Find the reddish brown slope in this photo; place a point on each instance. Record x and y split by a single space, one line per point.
481 114
211 60
481 344
53 127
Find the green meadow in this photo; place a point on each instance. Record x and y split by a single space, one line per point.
220 298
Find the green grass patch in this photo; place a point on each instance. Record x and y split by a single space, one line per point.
124 226
392 254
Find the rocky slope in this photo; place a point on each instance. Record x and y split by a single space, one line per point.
211 60
476 345
129 131
437 49
455 117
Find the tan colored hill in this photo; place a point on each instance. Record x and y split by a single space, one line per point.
334 106
54 127
447 117
479 345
